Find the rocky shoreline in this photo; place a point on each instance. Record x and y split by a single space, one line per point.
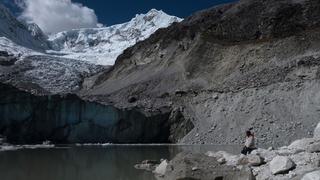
298 161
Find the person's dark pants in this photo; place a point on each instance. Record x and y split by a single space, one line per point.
247 150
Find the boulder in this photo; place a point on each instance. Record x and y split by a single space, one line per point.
187 166
281 165
4 54
301 144
266 155
251 160
315 175
148 165
285 151
7 61
310 145
161 169
316 133
314 148
222 160
224 157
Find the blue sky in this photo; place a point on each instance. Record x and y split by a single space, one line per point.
54 16
118 11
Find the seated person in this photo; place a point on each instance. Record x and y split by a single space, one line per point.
249 144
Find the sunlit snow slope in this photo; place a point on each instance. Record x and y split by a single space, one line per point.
103 45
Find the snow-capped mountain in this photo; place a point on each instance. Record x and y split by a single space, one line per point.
19 33
56 64
103 45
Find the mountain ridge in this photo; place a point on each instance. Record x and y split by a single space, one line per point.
19 33
252 64
103 45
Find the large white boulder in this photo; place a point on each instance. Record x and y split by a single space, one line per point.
301 144
251 160
161 169
316 133
222 156
315 175
281 164
267 155
254 160
310 145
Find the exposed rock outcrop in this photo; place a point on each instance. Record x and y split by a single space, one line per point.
6 59
148 165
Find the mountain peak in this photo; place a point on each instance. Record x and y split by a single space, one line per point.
155 12
104 45
155 15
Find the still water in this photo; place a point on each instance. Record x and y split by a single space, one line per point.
112 162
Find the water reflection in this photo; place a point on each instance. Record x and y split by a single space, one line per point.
84 163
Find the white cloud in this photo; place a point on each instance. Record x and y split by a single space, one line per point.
57 15
20 3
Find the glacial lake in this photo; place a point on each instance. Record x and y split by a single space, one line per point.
111 162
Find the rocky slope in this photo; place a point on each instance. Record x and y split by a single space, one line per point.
251 64
103 45
29 36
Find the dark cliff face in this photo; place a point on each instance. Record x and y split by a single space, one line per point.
25 118
251 64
